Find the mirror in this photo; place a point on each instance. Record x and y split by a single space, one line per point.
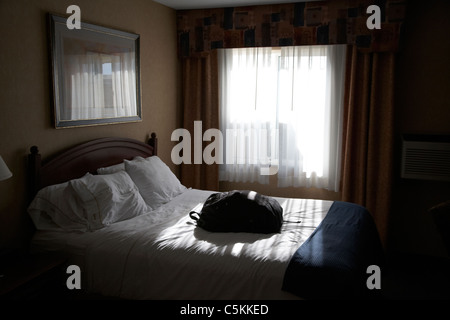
95 75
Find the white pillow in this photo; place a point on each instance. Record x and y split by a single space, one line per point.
108 198
116 167
155 181
111 169
57 207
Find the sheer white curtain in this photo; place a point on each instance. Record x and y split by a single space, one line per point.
247 110
124 84
86 86
281 112
101 86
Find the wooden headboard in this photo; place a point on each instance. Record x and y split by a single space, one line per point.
76 161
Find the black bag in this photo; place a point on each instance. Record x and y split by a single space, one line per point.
240 211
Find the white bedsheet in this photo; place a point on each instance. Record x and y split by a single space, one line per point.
163 255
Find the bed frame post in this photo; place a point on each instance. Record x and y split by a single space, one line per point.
34 166
153 142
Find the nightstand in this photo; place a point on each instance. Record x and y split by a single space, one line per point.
27 276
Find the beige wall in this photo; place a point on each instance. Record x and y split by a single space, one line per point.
25 91
423 107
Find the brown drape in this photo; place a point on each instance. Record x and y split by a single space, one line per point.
369 134
200 103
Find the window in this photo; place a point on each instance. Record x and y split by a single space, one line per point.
281 111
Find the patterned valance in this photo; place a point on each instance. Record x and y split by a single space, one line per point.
302 23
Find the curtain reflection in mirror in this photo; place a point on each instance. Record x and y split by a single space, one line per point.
100 86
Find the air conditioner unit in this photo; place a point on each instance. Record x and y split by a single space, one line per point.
426 157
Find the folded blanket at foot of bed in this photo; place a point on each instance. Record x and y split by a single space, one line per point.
333 262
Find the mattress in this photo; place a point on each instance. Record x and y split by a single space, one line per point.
164 255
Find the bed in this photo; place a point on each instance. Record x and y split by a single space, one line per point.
115 209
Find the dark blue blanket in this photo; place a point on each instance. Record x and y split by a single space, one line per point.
333 262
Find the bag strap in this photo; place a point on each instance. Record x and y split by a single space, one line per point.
192 215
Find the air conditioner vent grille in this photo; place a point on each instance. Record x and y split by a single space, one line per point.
426 160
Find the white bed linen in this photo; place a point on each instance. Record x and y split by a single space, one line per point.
163 255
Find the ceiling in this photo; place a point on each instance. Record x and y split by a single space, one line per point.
203 4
